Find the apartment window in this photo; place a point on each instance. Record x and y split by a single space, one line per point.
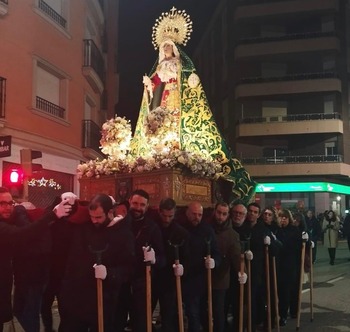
273 69
328 24
330 149
274 110
329 104
54 9
328 64
50 91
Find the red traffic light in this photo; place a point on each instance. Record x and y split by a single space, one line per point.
15 176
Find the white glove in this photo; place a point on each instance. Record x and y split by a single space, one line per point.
305 236
249 255
178 270
312 244
148 84
70 197
267 240
149 255
209 263
100 271
63 209
242 278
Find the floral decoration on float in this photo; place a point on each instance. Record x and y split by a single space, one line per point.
115 144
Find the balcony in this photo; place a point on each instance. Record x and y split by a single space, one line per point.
2 97
296 166
50 108
311 123
3 7
54 16
93 67
91 134
288 84
258 8
291 43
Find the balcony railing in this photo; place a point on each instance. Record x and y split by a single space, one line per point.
307 35
91 135
93 58
50 108
292 118
292 159
255 2
52 13
291 77
2 96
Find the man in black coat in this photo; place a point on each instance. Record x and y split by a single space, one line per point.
202 243
101 248
11 235
176 245
148 249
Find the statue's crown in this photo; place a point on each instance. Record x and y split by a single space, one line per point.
175 25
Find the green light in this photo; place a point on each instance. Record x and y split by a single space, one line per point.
303 187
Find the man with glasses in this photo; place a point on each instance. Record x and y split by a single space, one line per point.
12 235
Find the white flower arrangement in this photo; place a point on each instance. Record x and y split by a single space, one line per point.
187 162
116 137
158 121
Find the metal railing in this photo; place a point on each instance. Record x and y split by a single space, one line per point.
91 135
290 77
93 58
52 13
50 108
2 96
292 36
291 118
292 159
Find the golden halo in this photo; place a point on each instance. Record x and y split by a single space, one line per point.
175 25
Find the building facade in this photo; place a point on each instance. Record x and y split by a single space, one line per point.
277 75
58 84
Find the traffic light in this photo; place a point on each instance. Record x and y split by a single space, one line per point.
14 182
27 155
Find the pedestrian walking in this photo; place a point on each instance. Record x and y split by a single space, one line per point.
331 226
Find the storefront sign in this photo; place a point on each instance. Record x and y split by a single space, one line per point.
5 146
302 187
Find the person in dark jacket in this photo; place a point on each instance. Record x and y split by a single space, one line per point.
291 240
315 231
148 248
230 249
202 244
101 248
176 245
10 235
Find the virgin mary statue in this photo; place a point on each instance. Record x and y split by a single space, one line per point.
175 114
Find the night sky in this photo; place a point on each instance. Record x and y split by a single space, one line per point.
136 52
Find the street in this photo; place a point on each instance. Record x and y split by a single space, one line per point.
331 296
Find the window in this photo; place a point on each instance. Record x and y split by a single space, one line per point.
274 110
330 149
50 90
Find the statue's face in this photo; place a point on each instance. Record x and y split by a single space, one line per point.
168 50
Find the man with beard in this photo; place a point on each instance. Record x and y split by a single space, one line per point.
148 248
101 248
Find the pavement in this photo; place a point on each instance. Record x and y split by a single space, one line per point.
331 292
